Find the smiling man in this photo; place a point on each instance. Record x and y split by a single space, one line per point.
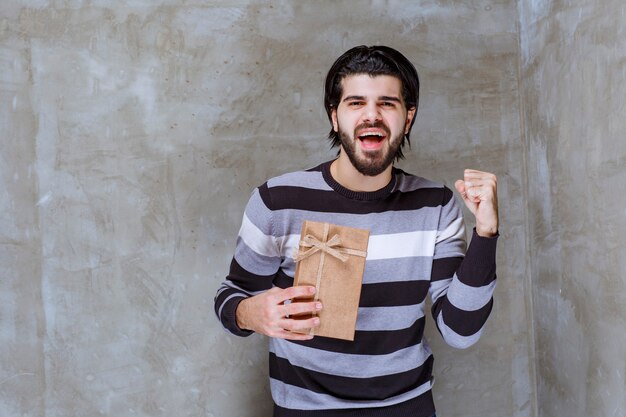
417 248
371 121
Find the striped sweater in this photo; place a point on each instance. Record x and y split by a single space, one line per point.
416 248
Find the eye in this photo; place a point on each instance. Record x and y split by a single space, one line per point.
388 104
355 103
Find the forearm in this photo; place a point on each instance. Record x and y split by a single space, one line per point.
462 312
243 315
227 302
478 267
239 285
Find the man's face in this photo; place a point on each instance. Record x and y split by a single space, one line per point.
371 120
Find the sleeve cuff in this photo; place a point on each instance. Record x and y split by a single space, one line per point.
479 265
482 250
229 317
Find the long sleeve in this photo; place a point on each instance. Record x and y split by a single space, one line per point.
462 284
417 246
253 267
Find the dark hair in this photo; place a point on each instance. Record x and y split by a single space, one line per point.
371 60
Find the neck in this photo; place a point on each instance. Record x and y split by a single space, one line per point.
346 174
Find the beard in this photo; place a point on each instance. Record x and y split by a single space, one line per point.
370 163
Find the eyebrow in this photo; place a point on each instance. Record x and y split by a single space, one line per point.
381 98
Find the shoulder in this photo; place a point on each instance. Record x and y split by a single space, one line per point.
309 178
425 188
297 184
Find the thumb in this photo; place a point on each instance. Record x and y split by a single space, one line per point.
460 187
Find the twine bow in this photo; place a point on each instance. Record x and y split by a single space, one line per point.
325 246
330 246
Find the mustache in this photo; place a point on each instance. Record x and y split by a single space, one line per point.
377 125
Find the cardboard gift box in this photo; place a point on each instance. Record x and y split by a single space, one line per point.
332 259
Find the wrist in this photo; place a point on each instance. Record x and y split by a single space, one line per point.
240 315
487 231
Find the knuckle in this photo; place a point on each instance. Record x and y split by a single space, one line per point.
301 291
290 292
270 299
314 322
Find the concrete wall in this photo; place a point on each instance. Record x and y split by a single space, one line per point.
133 134
574 92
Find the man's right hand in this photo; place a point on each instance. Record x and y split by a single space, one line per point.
266 313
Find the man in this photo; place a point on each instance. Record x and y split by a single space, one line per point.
417 247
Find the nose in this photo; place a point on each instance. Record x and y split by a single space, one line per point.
371 113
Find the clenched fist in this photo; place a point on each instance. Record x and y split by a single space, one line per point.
479 192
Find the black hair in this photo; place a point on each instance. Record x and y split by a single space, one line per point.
372 60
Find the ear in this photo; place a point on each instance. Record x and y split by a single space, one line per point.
410 114
333 116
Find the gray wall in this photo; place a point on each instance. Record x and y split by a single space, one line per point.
574 91
134 132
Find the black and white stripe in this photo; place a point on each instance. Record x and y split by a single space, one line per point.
417 248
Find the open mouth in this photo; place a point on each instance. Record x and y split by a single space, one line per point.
371 139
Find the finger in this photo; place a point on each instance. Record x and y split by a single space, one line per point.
300 308
460 187
284 334
481 177
294 292
480 183
472 173
468 191
477 173
475 193
299 324
483 189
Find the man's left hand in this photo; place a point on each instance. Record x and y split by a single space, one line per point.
479 192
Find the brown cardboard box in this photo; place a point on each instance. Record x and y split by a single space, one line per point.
332 259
